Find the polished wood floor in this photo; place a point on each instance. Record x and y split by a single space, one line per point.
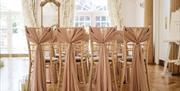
159 83
15 70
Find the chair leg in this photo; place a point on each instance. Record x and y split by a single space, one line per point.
87 66
147 76
123 76
82 71
124 65
89 84
59 76
29 76
114 73
165 67
60 70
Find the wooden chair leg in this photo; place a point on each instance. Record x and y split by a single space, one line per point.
59 77
124 65
147 77
123 76
89 84
167 61
82 71
59 72
29 76
114 73
82 63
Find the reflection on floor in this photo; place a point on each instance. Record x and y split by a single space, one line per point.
15 70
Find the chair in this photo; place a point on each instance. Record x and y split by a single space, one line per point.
174 56
101 47
39 45
138 35
70 37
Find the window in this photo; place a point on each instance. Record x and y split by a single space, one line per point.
12 35
91 13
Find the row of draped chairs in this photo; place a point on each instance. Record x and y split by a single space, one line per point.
94 59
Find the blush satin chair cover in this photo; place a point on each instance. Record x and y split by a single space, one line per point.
38 75
138 81
102 79
71 36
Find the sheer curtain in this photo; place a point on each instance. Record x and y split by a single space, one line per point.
175 5
31 9
67 13
115 12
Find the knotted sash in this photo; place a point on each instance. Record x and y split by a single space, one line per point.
103 75
39 75
70 36
138 81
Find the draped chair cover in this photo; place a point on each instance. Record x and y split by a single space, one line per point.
120 39
74 35
53 73
102 81
120 36
138 81
39 74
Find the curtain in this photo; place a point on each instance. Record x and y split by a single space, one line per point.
139 80
115 12
175 5
148 22
75 35
102 80
67 12
30 12
38 82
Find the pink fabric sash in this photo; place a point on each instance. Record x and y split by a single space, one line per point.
39 74
138 81
103 75
120 36
53 73
74 35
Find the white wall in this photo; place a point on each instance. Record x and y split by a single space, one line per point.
140 13
162 34
164 28
133 14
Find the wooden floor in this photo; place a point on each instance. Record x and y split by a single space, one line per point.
159 83
15 69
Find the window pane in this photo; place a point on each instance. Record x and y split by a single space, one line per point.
81 18
103 18
76 24
93 12
87 18
12 28
76 18
97 24
87 24
97 18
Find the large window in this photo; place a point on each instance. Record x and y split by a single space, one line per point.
91 13
12 37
